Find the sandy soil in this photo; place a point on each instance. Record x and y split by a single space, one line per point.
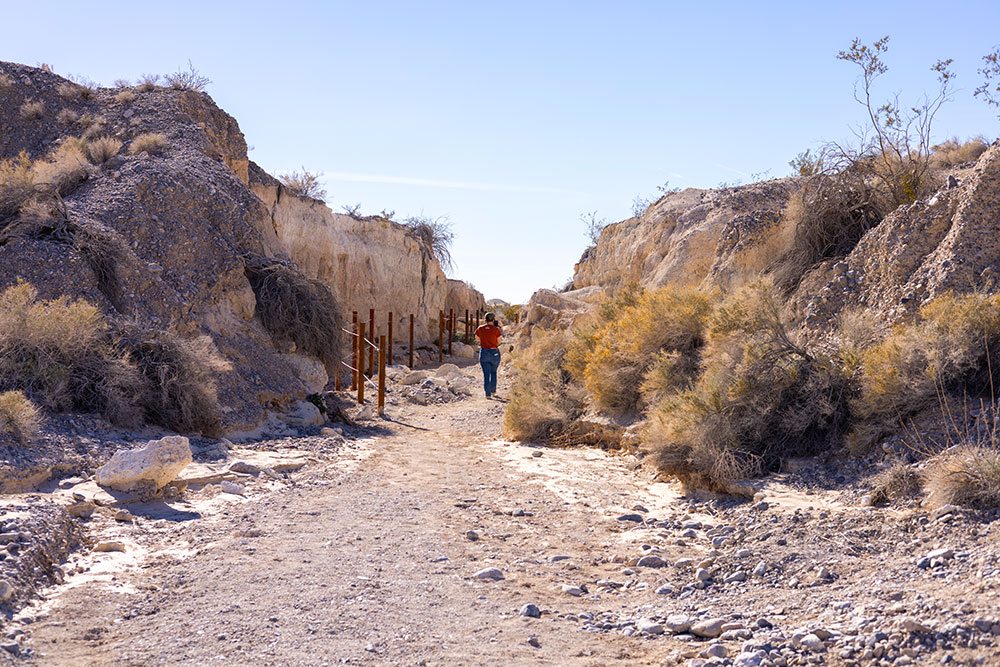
365 556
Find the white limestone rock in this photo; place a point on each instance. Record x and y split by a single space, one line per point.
156 464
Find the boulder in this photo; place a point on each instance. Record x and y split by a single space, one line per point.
463 351
159 462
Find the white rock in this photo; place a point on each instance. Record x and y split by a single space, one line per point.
716 651
759 569
944 510
812 643
109 545
649 627
710 628
943 554
575 591
159 462
232 487
6 590
304 413
415 377
490 573
448 371
678 623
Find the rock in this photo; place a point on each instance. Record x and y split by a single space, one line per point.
414 377
812 643
6 590
709 628
666 589
634 518
702 574
569 589
683 562
533 641
759 569
124 516
678 623
463 351
743 553
530 610
649 627
232 487
943 554
944 510
913 625
109 545
749 659
490 573
716 651
245 468
159 462
82 509
11 647
739 575
471 535
420 397
651 561
304 413
537 453
311 371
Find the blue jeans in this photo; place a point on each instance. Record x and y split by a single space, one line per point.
490 361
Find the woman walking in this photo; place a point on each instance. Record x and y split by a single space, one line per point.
489 353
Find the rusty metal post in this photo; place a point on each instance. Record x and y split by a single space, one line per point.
451 328
440 336
381 375
466 326
371 335
477 319
517 317
411 340
389 341
361 362
336 375
354 350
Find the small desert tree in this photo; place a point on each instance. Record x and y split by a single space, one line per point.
304 183
990 71
435 236
593 225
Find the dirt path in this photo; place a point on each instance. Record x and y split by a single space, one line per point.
365 556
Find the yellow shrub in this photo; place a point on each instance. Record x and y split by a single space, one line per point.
541 402
953 151
967 476
125 97
151 142
17 182
32 110
19 416
65 170
102 149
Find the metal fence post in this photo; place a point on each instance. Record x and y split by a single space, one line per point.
354 350
371 335
361 362
381 375
440 336
411 340
389 341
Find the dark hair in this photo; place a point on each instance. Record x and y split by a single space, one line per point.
490 317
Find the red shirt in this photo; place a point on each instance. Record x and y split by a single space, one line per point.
489 336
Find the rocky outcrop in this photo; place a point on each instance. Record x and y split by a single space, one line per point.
682 238
147 469
463 297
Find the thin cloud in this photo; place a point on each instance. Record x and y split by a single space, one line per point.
735 171
433 183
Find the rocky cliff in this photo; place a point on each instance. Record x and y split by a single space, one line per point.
186 219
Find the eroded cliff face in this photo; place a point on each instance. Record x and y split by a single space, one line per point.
463 297
683 238
366 263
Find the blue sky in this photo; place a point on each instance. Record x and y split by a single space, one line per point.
513 118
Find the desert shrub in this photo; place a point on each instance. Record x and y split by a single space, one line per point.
93 127
32 110
178 389
121 83
147 82
17 183
296 308
806 164
5 82
953 347
542 402
953 151
74 91
67 117
125 97
191 79
104 252
626 348
19 416
435 237
102 149
304 183
968 476
897 482
760 397
150 142
65 170
58 353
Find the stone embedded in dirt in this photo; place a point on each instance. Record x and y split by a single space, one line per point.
569 589
82 509
124 516
666 589
634 518
232 487
651 561
711 627
530 610
683 562
6 590
739 575
489 574
716 651
702 574
750 658
943 554
944 510
109 545
678 623
649 627
743 553
811 642
159 462
533 641
471 535
759 569
11 647
536 454
245 468
912 625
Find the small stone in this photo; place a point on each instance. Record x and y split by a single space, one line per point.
569 589
6 590
634 518
533 641
471 535
245 468
944 510
702 574
124 516
943 554
824 573
710 628
683 562
537 454
109 545
666 590
736 576
764 624
743 553
11 647
913 625
82 509
530 610
923 562
649 627
812 643
761 506
716 651
651 561
678 623
759 569
232 488
490 573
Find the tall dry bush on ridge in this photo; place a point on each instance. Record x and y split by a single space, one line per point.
542 401
304 183
435 237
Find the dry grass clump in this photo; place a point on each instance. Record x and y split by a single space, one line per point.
304 183
5 82
179 391
66 169
542 401
102 149
74 91
191 79
67 117
19 416
32 110
296 308
125 97
57 352
93 127
147 82
649 346
897 482
17 183
954 346
953 151
152 143
760 397
967 475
